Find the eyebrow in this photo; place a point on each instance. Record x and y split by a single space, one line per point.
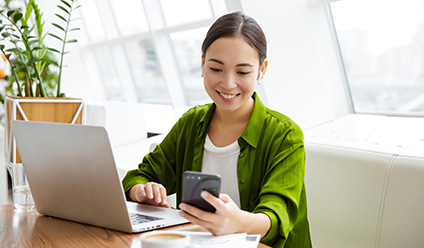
222 63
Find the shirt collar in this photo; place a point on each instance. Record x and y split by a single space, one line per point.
253 129
203 124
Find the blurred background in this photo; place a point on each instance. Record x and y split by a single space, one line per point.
326 58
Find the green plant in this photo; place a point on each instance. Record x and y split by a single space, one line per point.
23 43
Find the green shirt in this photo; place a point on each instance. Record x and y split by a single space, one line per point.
270 168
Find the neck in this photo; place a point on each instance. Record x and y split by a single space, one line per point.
242 115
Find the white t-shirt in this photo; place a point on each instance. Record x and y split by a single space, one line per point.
223 161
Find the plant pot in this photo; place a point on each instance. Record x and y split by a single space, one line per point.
63 110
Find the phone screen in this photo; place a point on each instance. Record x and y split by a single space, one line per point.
194 183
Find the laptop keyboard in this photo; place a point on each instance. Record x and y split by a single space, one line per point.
141 218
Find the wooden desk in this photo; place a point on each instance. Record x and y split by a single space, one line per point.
30 229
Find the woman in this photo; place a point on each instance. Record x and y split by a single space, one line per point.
258 152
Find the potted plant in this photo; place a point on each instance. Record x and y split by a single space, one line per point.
34 89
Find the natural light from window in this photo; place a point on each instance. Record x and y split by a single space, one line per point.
382 45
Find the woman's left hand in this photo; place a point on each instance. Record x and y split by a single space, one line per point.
228 217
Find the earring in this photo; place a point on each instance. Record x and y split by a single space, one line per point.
259 81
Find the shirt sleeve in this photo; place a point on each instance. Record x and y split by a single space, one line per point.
281 192
157 166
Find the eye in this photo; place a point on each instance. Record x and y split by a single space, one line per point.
215 69
243 72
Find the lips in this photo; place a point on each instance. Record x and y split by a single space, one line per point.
228 97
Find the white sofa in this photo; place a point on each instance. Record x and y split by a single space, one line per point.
359 193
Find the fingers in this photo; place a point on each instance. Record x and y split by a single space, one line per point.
216 202
225 198
195 220
151 193
196 215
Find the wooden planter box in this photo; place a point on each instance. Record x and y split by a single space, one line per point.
63 110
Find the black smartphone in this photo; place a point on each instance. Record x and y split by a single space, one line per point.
194 183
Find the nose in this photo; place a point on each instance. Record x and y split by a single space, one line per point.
229 81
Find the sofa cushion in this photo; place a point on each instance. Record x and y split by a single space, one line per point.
402 222
344 189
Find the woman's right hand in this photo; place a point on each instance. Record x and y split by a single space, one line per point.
150 193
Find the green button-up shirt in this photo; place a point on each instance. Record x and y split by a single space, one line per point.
270 168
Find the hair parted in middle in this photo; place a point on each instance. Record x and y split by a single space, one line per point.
237 24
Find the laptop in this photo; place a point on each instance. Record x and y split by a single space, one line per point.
72 175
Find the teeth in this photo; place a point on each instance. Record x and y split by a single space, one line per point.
227 96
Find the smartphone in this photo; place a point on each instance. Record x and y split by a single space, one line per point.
194 183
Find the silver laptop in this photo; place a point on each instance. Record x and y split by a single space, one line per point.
72 175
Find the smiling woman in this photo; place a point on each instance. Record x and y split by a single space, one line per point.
258 152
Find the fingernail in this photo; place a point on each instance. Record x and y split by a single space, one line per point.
150 196
181 213
205 194
182 206
158 199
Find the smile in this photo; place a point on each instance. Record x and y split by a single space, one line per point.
228 96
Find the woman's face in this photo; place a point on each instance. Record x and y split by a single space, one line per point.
231 68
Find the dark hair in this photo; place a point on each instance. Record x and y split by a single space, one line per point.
236 24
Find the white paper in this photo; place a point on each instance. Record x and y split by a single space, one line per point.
207 240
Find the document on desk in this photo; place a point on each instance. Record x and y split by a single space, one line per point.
208 240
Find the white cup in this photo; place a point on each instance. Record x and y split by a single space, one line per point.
165 240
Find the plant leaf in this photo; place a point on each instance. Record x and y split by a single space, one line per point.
33 60
74 29
66 3
28 10
58 26
10 13
5 35
31 70
57 37
79 6
26 33
72 41
13 50
2 47
24 59
17 17
53 50
31 42
62 8
61 17
11 29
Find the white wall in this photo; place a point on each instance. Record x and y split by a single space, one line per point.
304 79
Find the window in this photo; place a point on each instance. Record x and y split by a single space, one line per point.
185 11
382 46
148 51
187 46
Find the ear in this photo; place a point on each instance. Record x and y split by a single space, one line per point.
262 69
202 65
203 60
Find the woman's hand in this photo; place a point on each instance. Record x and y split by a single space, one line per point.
228 217
151 193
